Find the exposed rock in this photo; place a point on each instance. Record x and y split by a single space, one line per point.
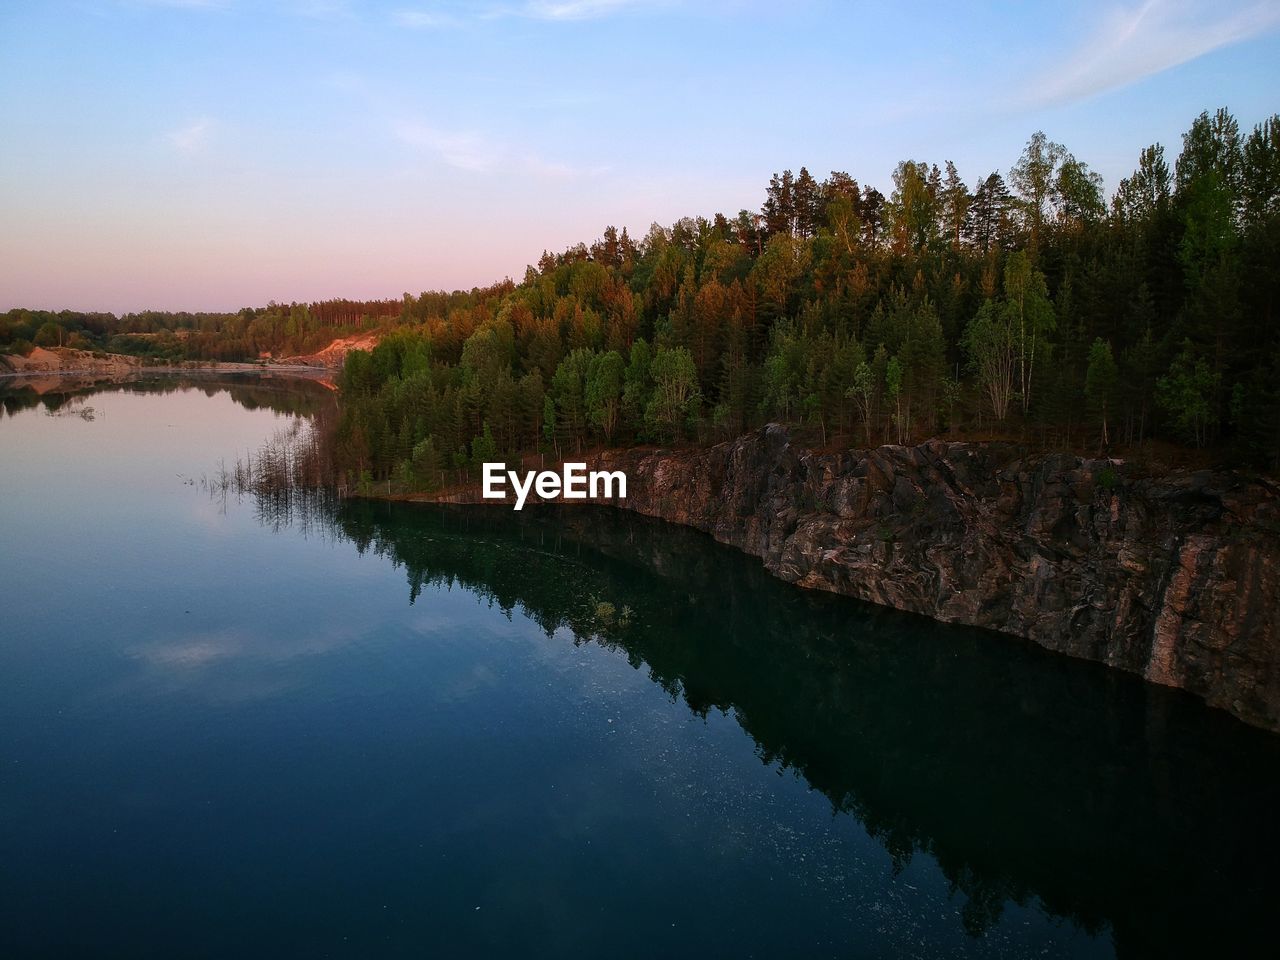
334 355
1175 578
66 359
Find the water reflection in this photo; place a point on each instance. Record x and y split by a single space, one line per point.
1127 811
1029 777
281 393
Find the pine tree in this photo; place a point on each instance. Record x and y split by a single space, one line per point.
1100 382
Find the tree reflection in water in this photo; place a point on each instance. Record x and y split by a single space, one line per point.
1029 777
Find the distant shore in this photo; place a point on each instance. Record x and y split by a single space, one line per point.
66 363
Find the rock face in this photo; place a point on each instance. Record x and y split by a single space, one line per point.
334 355
1176 578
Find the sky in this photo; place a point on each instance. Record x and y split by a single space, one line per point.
214 154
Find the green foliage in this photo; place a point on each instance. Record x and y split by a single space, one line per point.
787 372
893 389
488 352
1101 380
483 448
549 420
675 400
858 315
358 377
605 374
425 465
1187 391
864 392
50 334
1028 315
991 347
637 385
568 388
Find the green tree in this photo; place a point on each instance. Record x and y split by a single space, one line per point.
986 226
787 371
676 400
1186 393
1101 380
923 357
425 465
604 392
1077 193
915 206
50 334
779 270
531 398
568 387
893 389
991 346
483 448
550 428
1145 193
638 386
863 391
1030 315
956 201
1033 178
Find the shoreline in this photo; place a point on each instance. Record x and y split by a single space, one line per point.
1167 576
118 373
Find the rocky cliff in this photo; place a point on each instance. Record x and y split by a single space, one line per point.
1175 578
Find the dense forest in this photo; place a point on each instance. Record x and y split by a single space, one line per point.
1024 306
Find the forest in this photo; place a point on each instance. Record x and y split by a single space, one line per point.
1026 307
1029 306
276 330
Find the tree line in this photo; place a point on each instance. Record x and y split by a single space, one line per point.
277 330
1023 304
1026 306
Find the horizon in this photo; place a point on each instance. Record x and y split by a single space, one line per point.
206 155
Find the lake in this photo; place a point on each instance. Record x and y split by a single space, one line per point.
254 727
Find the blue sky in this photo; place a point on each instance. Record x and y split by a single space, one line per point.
209 154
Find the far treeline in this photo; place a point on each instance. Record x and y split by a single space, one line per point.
1024 307
276 330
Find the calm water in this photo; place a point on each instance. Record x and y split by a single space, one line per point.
232 730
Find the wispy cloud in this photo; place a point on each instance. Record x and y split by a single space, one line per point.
417 19
479 153
321 9
576 9
192 137
1137 42
554 170
550 10
462 149
181 4
312 9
